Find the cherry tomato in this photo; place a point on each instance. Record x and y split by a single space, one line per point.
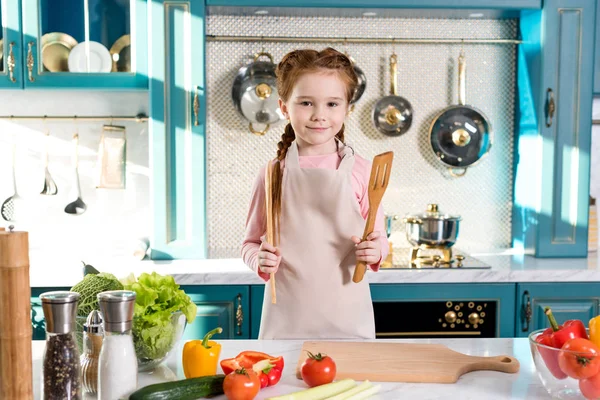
590 387
264 380
318 369
274 376
241 384
580 358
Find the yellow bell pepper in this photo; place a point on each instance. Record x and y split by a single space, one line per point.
595 330
201 357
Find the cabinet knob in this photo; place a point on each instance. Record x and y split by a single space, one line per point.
473 318
450 317
239 315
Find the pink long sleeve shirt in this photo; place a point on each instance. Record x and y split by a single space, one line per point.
255 222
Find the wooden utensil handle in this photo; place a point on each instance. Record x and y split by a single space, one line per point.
270 223
361 266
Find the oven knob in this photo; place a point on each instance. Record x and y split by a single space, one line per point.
450 317
473 318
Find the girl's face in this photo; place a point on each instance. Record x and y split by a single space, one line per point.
316 109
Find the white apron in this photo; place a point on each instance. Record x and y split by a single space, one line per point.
316 298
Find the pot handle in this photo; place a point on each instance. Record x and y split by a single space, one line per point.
263 53
411 220
258 133
457 175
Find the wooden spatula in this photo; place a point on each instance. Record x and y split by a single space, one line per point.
270 222
380 176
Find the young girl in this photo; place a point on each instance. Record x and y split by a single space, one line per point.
321 195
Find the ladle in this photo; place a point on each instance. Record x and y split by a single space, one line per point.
77 206
50 188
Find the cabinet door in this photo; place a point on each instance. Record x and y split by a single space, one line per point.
11 76
567 301
224 306
565 115
177 129
85 44
38 323
597 54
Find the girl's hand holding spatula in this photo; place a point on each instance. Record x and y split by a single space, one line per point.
269 258
368 251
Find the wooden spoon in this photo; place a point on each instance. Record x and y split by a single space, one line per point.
380 176
271 234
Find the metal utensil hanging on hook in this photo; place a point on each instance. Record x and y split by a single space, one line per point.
77 206
50 188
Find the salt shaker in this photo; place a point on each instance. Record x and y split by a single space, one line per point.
92 343
117 375
61 369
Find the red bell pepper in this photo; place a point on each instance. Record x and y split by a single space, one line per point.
570 329
271 367
549 356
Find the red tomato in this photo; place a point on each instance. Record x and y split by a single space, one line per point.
241 384
590 387
318 369
581 358
274 376
264 380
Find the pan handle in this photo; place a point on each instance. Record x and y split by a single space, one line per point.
258 133
457 175
394 74
462 84
550 107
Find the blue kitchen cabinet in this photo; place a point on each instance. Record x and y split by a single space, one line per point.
44 34
224 306
11 74
567 301
441 4
554 115
177 129
501 294
597 54
38 323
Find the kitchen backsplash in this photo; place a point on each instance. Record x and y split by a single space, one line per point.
427 79
114 219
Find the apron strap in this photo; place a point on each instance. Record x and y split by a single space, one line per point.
291 158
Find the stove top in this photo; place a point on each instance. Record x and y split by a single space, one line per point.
432 259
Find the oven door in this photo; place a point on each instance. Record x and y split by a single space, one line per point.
436 318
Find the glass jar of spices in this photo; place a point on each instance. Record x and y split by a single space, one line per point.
61 374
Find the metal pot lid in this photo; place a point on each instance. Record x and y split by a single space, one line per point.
362 83
260 103
433 213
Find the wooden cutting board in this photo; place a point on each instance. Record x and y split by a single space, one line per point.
403 362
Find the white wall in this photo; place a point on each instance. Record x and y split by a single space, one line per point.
114 218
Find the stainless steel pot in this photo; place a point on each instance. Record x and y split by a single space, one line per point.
254 93
362 83
432 229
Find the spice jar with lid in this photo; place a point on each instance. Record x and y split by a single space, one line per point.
117 374
92 343
61 369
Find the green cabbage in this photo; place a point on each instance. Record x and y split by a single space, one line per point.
90 286
157 298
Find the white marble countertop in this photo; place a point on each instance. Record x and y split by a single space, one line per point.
487 385
505 267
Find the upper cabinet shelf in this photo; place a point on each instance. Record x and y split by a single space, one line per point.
94 44
417 4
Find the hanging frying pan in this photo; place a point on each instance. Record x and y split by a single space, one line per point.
254 93
392 115
362 84
460 135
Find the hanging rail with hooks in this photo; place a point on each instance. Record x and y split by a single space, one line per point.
344 40
73 118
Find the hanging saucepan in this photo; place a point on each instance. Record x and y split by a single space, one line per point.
392 115
254 93
460 135
362 84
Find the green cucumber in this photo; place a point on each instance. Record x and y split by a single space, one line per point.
186 389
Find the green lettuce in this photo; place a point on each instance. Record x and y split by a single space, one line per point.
157 298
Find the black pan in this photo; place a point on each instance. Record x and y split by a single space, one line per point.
392 115
460 135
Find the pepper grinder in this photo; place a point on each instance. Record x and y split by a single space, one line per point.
92 343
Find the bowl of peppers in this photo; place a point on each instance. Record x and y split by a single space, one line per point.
567 358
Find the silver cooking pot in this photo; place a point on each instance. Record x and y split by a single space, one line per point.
432 228
254 93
